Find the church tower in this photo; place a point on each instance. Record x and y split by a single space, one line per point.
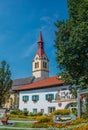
40 63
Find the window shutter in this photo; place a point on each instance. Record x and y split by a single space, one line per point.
27 98
37 97
52 96
33 97
46 96
22 98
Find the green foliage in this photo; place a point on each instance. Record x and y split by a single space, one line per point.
74 112
36 114
61 112
5 81
43 119
72 44
15 111
19 112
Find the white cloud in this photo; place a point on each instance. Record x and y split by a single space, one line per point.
30 50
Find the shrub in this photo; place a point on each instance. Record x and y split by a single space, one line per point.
84 127
36 114
85 115
61 112
25 113
15 111
39 125
31 114
74 112
39 114
78 121
19 112
43 119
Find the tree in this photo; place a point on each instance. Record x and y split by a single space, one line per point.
71 44
5 81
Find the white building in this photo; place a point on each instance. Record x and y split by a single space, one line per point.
48 93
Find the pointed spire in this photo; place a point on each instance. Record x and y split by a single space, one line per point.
40 37
40 50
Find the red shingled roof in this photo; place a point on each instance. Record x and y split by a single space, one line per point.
48 82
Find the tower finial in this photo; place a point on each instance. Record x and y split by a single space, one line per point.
40 38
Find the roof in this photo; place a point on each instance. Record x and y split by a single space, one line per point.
40 37
47 82
22 81
41 53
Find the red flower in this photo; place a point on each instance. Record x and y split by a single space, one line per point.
24 100
82 96
49 99
34 100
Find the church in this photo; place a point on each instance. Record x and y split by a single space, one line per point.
40 92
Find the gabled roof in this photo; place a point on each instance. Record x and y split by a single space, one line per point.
22 81
45 83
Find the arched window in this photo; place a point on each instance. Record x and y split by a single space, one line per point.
37 65
44 65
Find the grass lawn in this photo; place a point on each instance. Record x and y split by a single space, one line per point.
22 124
9 129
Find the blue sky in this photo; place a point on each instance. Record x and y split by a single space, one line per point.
20 25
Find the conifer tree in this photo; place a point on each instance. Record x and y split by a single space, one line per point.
5 81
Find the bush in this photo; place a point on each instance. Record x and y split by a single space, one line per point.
25 113
43 119
39 114
84 127
31 114
78 121
15 111
39 125
61 112
74 112
19 112
85 115
36 114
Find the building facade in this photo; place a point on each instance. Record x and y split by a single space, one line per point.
47 94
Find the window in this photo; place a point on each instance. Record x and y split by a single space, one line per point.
51 109
25 98
37 65
44 58
44 65
49 97
42 110
35 110
35 98
25 109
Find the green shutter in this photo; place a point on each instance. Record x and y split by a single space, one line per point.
37 97
52 96
27 98
22 98
32 97
46 96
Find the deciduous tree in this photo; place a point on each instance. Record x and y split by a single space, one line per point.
72 44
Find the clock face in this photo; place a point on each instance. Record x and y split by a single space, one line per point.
36 58
44 58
